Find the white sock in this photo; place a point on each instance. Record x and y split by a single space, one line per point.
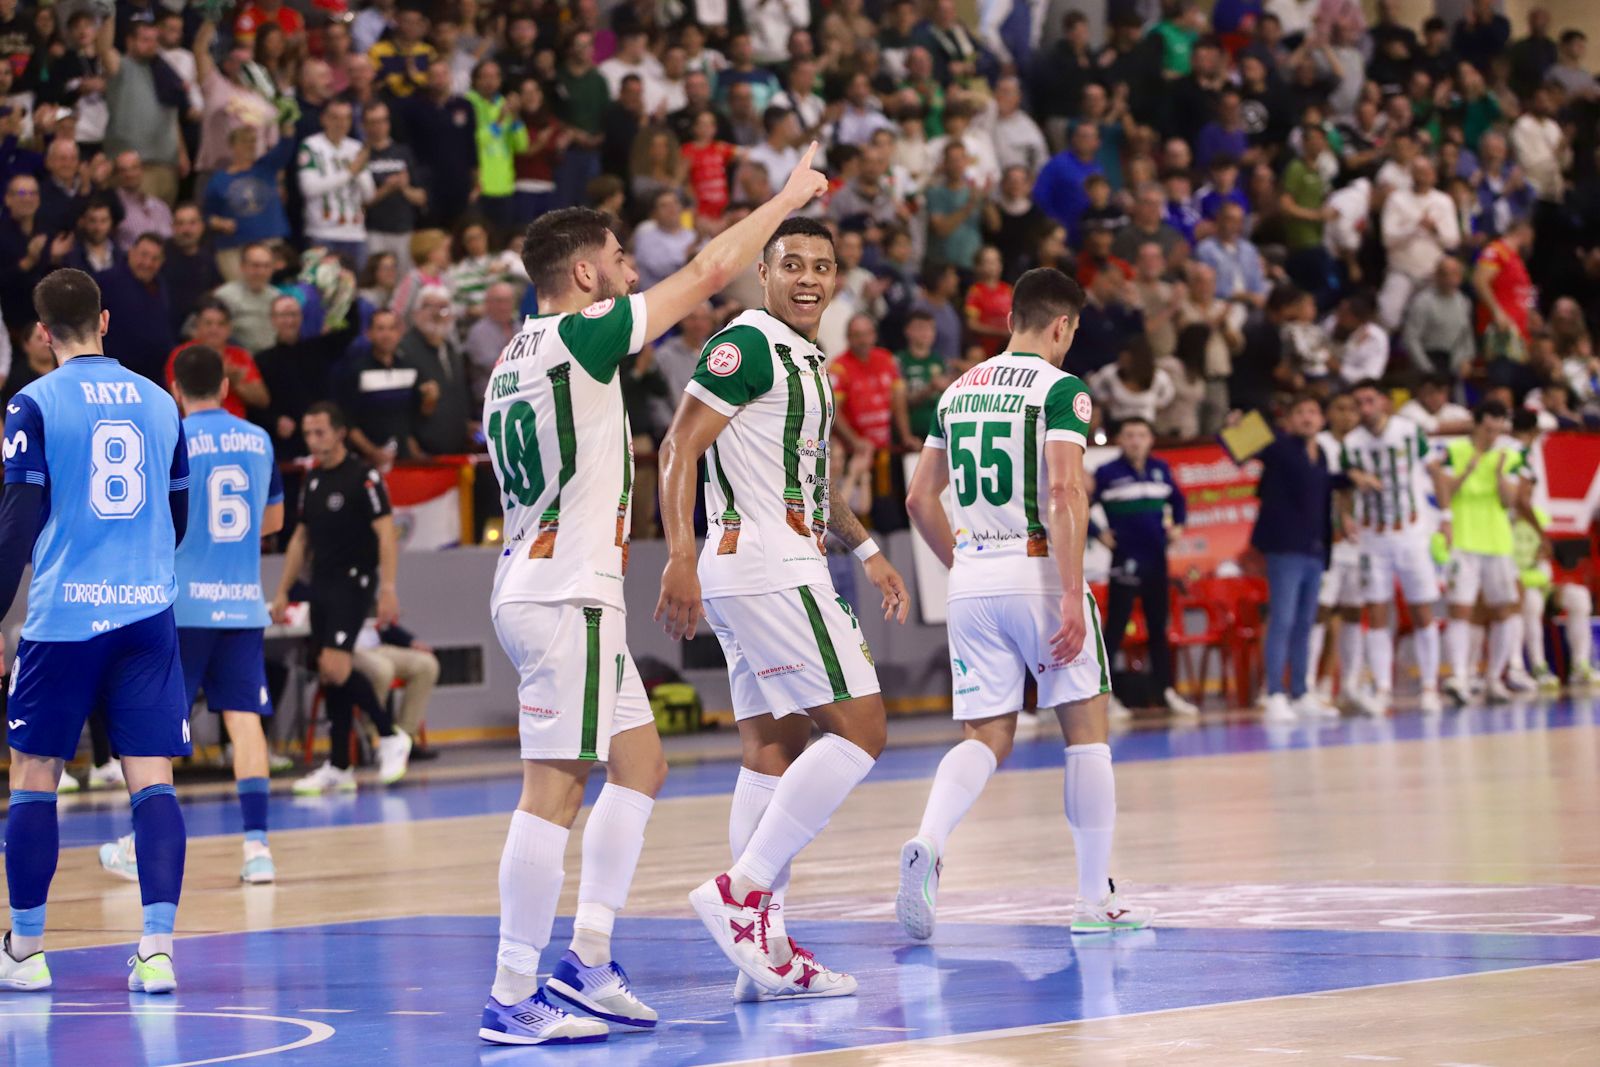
1475 645
961 776
1380 657
1533 628
1500 638
1426 643
1350 639
1090 798
1577 602
530 886
151 945
751 795
1457 641
808 794
1514 642
611 844
1319 635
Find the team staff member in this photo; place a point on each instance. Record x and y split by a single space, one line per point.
1136 490
348 531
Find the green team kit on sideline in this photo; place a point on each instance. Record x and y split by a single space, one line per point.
1005 590
791 642
1480 525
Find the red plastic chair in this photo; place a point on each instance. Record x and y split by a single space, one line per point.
355 741
1212 639
1240 600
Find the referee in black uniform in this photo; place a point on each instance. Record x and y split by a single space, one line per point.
347 530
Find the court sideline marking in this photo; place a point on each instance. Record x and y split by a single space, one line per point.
1042 1028
317 1032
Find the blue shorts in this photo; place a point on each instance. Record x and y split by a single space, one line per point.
228 665
132 673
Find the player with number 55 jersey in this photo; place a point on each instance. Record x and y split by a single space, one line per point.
97 474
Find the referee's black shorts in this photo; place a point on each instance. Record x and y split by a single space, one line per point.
339 609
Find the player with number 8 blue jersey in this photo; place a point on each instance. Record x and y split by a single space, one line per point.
96 497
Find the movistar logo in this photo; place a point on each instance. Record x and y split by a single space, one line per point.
17 442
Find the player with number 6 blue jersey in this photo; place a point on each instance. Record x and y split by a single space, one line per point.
96 496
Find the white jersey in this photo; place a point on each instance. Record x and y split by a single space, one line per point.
336 196
992 424
767 472
1396 457
1343 549
563 456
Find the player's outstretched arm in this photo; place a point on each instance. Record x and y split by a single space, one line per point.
693 429
730 252
880 572
1069 533
922 503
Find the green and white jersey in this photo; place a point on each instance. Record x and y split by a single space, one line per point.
767 472
1395 456
563 456
992 423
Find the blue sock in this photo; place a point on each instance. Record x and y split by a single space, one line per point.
33 842
253 806
158 837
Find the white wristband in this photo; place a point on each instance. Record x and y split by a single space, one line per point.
867 549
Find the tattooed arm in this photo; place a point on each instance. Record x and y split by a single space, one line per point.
880 572
841 519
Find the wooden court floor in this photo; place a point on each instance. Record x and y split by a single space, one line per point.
1399 892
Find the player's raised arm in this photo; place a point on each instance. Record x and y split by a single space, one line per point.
693 429
730 252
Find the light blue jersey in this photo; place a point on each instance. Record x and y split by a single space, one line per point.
107 446
233 478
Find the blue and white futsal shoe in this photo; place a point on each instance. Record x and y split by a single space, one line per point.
601 991
119 858
536 1021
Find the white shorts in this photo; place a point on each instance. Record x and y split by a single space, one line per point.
791 650
577 684
1341 582
1403 554
1473 572
996 641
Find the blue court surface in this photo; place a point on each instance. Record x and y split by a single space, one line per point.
90 821
408 991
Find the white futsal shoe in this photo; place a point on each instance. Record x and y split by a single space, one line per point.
739 929
917 902
1375 703
1312 706
1278 712
1457 690
27 975
118 857
68 783
324 778
1108 916
1178 704
1429 703
107 776
1496 692
803 979
394 756
1520 681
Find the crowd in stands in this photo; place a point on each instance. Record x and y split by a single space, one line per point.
1270 197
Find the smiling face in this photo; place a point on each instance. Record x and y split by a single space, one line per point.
798 278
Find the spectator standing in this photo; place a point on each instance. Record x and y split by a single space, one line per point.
143 98
779 153
91 250
625 117
24 251
404 58
231 103
1534 55
332 171
64 188
1138 495
241 201
1185 368
439 126
383 395
500 135
954 206
925 374
488 337
1363 345
988 305
1569 72
937 289
249 298
1505 295
141 212
1148 223
1541 147
1059 188
1481 34
140 333
581 103
1438 331
632 57
247 389
446 409
1133 387
1201 306
189 268
708 160
430 256
1237 262
1305 192
477 267
76 79
1294 530
1434 411
1016 137
1420 227
535 165
397 198
662 243
1012 222
297 372
1109 322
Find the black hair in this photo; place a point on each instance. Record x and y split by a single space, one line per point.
798 226
1441 381
327 407
67 301
555 238
1134 420
211 303
1490 409
1568 36
1043 295
198 372
1367 383
771 117
1523 420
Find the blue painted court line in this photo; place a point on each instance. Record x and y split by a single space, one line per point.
93 823
435 971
